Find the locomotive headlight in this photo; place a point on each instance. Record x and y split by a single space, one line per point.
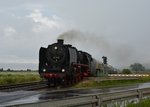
55 47
44 70
63 70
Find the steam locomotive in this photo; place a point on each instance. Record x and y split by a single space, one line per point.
63 64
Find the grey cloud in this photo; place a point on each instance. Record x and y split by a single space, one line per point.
120 28
19 43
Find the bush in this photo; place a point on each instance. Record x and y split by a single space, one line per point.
126 71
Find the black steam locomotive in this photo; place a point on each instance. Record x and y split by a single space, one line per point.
63 64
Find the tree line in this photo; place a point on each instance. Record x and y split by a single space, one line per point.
1 69
134 68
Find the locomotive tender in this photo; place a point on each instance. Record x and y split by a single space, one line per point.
63 64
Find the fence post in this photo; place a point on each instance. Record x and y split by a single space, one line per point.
140 94
99 101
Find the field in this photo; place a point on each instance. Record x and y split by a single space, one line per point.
18 77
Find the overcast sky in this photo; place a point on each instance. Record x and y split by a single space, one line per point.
118 29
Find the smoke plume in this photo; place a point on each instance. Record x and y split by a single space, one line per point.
98 46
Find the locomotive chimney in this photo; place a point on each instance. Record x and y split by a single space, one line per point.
60 41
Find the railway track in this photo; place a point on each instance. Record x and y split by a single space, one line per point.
24 86
42 84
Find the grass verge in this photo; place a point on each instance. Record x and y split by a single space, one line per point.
110 83
143 103
18 77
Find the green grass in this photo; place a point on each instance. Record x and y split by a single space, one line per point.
21 77
143 103
110 83
18 77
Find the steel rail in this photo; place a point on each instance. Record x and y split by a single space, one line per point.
24 86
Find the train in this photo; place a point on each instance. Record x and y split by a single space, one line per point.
63 64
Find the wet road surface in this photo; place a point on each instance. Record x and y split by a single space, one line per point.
23 97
